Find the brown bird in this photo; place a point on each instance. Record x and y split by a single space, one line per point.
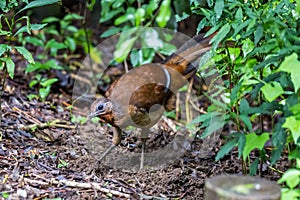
140 96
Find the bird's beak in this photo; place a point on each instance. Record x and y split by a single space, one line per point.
91 115
94 114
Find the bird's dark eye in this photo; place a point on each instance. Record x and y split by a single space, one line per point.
100 107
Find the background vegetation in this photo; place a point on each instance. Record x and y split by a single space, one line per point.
261 103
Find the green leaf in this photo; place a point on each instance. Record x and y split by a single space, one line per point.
214 124
210 3
152 39
294 125
294 155
298 6
205 117
296 110
238 26
276 153
33 67
5 195
123 50
164 14
167 49
3 7
70 42
247 47
27 55
219 6
226 148
54 44
10 66
201 25
50 20
234 53
48 82
33 83
291 177
3 48
43 92
105 16
254 141
258 34
272 90
251 26
278 141
290 194
235 92
254 167
62 163
37 3
22 30
73 16
135 57
220 35
72 29
239 15
246 121
292 65
128 16
34 40
37 27
139 16
110 31
52 64
141 56
245 109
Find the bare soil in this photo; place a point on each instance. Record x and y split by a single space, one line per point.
54 160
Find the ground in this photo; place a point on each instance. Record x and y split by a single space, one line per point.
56 161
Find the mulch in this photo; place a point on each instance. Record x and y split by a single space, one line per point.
43 155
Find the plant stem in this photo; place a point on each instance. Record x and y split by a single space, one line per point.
1 93
86 34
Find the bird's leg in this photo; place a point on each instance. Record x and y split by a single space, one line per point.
144 135
117 136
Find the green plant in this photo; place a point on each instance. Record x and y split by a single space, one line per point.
10 33
79 119
291 178
127 17
260 75
44 86
5 195
43 83
68 36
62 163
11 30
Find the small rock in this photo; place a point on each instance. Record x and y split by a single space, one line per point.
22 193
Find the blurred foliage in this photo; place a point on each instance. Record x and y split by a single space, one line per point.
14 28
261 73
259 99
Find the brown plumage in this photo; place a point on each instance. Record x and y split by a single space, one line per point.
140 96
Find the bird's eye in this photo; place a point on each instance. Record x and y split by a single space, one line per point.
100 107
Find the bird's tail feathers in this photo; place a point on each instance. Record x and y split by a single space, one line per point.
183 59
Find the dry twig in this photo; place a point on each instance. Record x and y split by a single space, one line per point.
68 183
55 123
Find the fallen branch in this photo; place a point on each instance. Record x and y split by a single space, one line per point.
26 116
68 183
55 123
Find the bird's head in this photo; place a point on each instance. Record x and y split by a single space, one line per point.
100 107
